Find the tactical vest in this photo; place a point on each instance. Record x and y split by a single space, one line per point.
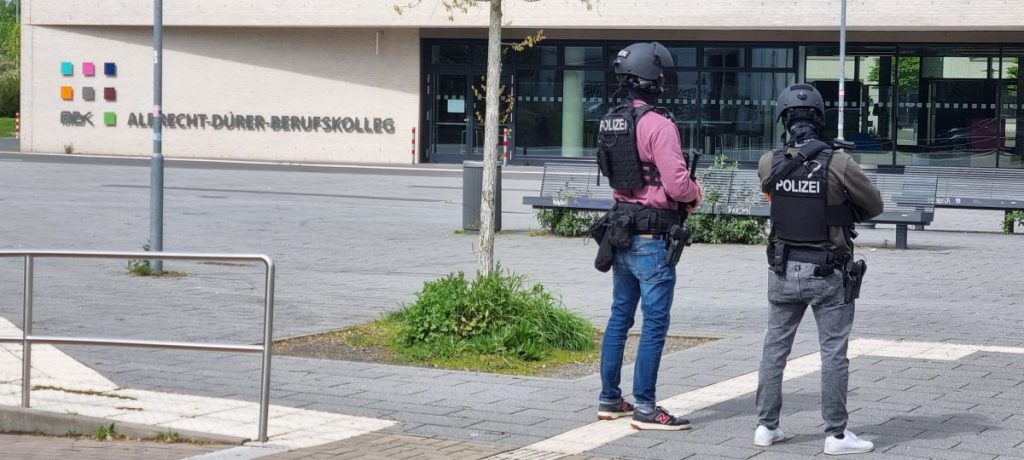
617 153
799 209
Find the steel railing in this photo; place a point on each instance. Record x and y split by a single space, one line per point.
27 338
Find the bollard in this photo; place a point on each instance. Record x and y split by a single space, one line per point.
504 146
17 125
413 145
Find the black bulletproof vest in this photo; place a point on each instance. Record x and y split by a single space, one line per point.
617 153
799 209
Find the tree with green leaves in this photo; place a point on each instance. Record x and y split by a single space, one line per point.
10 60
487 208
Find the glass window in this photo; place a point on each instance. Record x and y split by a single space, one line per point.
480 55
583 56
558 111
1011 154
683 57
449 54
738 112
682 98
539 55
724 57
868 112
771 57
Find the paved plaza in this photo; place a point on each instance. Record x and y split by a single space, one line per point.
939 334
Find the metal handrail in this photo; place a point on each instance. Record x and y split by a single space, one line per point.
27 339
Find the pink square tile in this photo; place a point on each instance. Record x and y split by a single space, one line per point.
88 69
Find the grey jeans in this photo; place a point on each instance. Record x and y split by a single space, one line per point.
789 296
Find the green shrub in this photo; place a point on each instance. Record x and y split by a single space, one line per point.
1013 219
720 228
723 228
566 222
10 95
495 314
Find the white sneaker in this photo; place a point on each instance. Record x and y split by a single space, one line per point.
850 444
763 437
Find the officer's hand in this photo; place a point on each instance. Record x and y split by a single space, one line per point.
694 205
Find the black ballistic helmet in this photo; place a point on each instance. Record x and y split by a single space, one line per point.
642 64
800 101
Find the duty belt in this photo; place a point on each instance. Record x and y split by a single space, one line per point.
810 255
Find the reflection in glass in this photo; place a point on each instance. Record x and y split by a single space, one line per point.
771 57
539 55
724 57
583 56
683 57
738 112
449 54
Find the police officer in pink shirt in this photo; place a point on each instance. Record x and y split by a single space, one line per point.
641 154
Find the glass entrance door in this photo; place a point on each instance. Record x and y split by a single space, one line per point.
457 116
450 118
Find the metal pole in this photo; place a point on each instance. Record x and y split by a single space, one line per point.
842 68
26 330
268 337
156 165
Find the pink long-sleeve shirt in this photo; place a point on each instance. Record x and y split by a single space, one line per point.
658 142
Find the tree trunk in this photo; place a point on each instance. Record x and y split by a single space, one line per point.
486 260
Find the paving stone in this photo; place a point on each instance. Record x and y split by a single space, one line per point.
973 399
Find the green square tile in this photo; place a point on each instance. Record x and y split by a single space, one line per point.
109 118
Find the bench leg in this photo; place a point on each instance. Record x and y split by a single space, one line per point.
919 227
901 236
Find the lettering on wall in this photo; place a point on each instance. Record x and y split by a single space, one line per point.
68 118
259 123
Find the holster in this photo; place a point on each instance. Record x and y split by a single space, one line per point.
853 277
677 238
777 259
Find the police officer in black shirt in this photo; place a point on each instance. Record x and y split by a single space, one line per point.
817 193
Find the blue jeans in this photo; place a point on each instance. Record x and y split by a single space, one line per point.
640 274
790 296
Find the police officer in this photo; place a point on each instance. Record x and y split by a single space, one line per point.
817 193
640 152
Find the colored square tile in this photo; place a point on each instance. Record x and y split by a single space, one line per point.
109 94
88 69
67 93
67 68
88 93
110 118
110 69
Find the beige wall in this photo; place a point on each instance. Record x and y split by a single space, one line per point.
893 15
242 71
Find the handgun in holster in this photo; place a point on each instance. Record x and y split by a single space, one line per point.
677 238
853 278
679 235
777 257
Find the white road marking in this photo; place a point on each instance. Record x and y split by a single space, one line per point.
64 379
594 435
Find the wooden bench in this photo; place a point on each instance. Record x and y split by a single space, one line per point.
909 200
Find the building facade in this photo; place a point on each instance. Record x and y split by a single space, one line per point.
928 81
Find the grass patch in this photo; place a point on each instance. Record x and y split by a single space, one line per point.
6 127
169 437
375 342
491 323
106 433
